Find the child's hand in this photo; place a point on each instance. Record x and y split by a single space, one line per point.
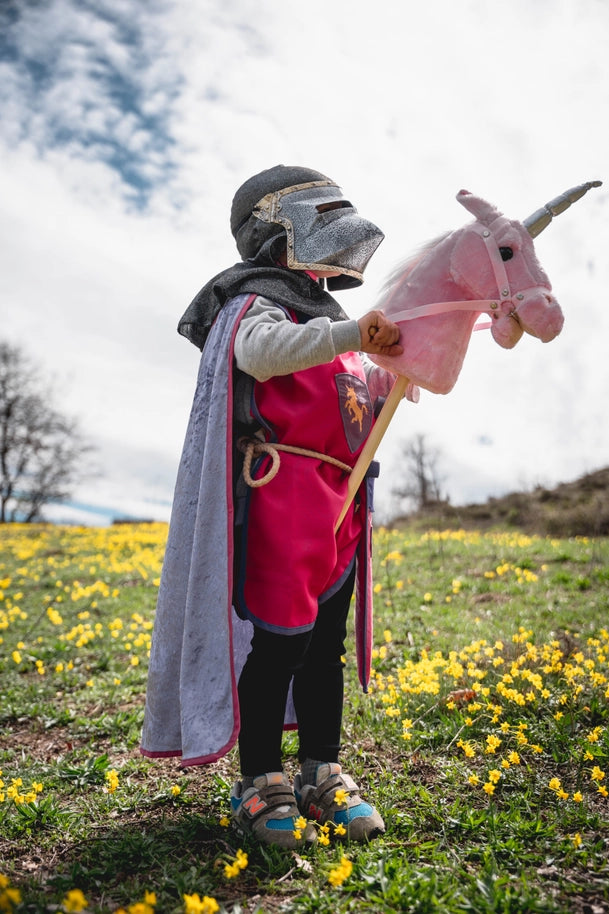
379 334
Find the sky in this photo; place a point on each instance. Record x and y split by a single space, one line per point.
126 127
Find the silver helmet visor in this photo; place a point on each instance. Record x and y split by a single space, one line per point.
323 229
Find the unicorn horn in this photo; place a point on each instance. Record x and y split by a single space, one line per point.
540 219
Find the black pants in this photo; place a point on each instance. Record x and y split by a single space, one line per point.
313 660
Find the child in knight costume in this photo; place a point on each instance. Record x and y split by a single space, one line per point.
256 584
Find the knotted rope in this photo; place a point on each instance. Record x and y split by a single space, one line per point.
252 447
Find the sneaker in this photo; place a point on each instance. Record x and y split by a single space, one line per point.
268 811
359 820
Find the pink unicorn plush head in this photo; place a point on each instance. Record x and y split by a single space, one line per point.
488 266
494 260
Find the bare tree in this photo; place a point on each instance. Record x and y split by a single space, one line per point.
41 451
418 473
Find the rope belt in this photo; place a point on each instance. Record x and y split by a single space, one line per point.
252 447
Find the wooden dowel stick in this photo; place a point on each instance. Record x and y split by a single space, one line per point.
372 442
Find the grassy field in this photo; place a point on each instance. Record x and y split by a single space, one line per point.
484 739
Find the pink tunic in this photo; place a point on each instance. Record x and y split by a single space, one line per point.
293 558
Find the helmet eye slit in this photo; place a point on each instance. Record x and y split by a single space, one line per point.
334 204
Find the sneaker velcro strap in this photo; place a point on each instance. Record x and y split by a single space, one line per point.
265 800
321 802
327 789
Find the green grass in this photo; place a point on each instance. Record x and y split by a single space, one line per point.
484 738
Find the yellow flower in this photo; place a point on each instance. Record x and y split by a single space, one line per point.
489 788
554 784
112 780
195 905
140 907
239 863
468 749
338 875
577 797
494 775
474 780
225 821
340 829
176 790
340 797
74 901
576 839
492 744
8 897
335 877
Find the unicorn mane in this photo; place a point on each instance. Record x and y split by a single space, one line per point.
403 270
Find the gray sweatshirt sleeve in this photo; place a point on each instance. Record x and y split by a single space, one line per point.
268 343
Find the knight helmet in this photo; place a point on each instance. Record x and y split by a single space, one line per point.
304 213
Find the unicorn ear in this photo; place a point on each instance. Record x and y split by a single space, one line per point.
483 211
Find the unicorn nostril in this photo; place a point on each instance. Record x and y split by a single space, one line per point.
549 298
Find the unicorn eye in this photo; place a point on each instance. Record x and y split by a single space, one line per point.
506 253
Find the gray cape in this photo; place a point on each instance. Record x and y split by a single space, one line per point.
191 701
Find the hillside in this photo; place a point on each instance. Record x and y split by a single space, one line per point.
579 508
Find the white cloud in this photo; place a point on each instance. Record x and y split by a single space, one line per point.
79 80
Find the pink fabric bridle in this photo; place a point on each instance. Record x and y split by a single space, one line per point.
488 305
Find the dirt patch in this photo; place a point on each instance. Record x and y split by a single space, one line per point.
478 598
422 771
41 745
